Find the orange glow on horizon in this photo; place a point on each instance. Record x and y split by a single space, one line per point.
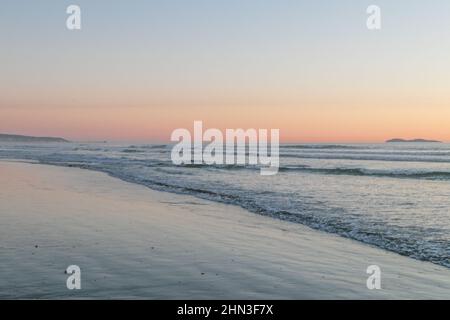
338 124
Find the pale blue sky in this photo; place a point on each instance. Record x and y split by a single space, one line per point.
222 54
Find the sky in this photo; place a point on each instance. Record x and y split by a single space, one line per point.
137 70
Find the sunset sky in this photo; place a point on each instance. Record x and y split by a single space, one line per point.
139 69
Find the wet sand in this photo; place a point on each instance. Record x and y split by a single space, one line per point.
133 242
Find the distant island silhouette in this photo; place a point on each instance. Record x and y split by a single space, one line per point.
20 138
412 140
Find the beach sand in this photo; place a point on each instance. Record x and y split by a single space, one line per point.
133 242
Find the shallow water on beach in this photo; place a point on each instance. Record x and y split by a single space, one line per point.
394 196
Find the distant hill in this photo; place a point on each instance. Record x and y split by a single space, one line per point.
413 140
19 138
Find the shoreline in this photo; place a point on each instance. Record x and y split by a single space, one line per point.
131 241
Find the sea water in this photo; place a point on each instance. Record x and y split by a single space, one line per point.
395 196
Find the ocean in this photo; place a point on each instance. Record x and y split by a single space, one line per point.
395 196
